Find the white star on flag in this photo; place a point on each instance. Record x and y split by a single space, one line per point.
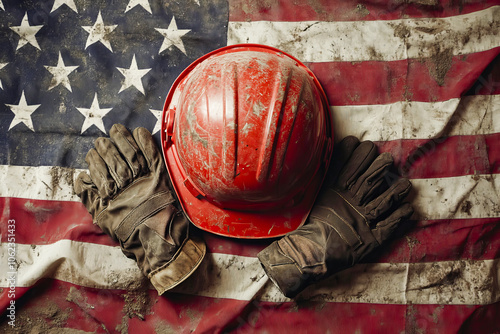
22 113
157 114
69 3
1 5
26 33
99 32
133 76
143 3
2 65
172 36
94 115
60 74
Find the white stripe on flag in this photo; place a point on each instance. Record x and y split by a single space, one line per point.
44 182
470 115
468 196
320 41
242 278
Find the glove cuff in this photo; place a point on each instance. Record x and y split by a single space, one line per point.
180 267
283 270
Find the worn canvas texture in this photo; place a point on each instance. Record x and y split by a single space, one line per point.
420 78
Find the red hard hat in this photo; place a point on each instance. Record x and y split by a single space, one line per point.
247 138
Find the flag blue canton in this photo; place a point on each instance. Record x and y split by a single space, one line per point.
70 69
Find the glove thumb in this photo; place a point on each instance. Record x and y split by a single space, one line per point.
87 191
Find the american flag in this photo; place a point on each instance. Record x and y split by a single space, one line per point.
421 78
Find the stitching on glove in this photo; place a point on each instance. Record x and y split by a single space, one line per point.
174 257
361 215
354 233
125 228
287 256
122 225
113 198
360 242
375 238
188 249
340 234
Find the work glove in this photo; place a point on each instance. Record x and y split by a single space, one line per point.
128 196
353 215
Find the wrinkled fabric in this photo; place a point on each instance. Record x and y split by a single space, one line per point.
128 196
355 213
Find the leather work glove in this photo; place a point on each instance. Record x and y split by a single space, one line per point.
128 196
352 216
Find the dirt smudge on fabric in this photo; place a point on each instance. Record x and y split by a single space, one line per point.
439 65
401 31
76 297
466 207
138 304
362 10
46 318
60 177
41 213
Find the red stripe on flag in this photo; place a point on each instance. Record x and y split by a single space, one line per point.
492 143
433 240
489 81
428 80
424 241
53 304
442 240
326 10
377 318
445 157
44 222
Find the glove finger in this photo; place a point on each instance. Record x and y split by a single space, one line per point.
341 153
99 174
148 147
371 182
117 167
386 228
391 198
359 161
129 150
87 191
